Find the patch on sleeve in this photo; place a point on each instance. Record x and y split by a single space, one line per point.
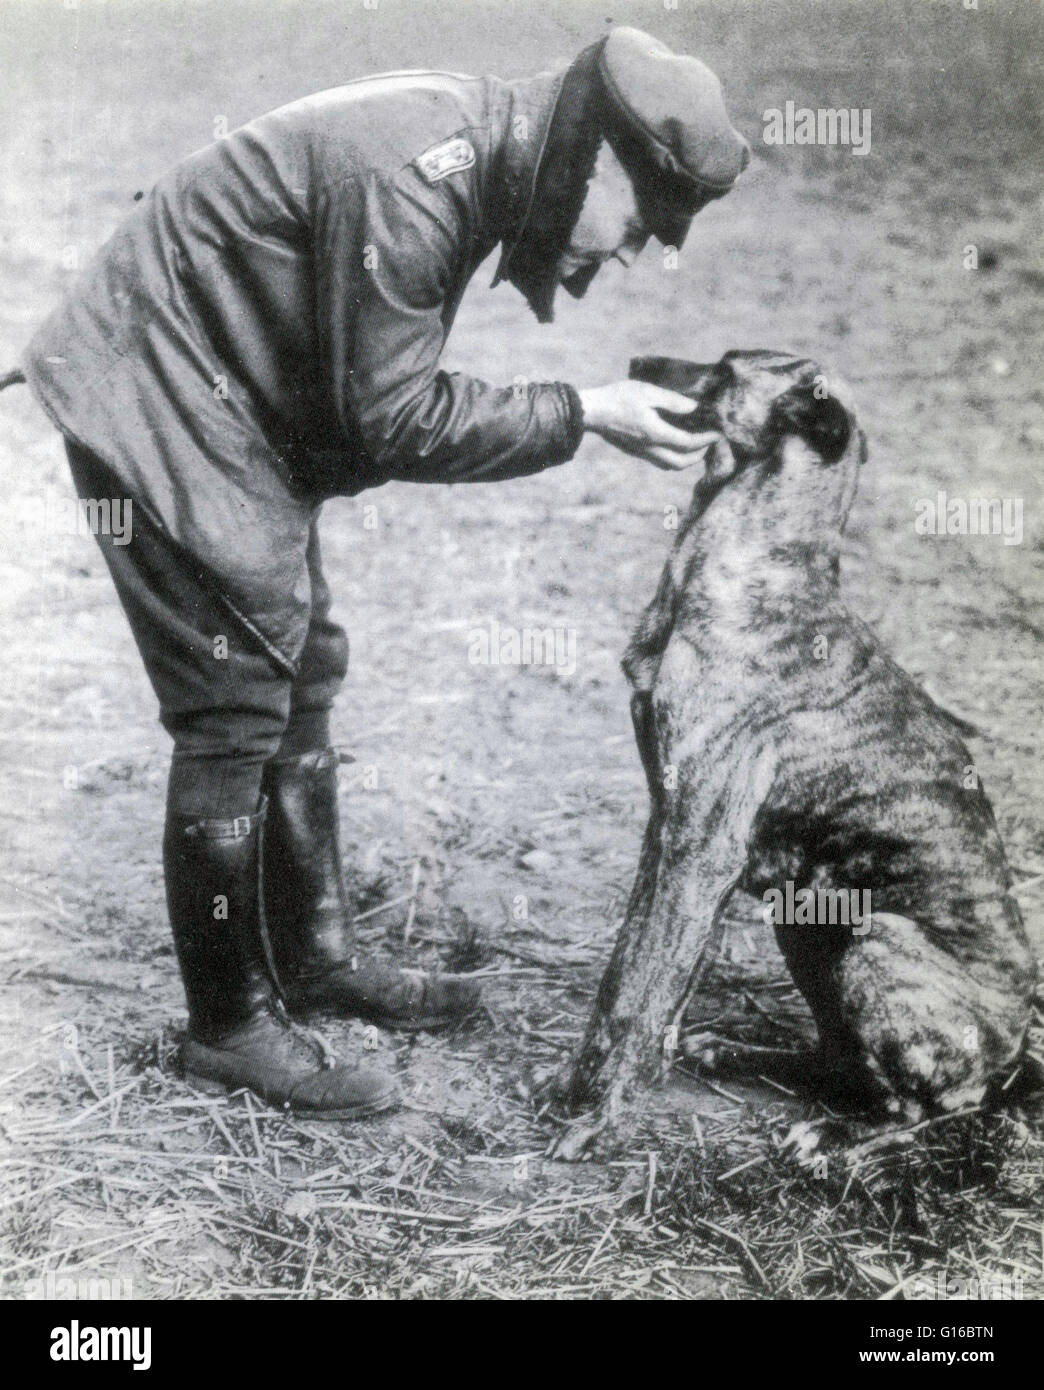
444 159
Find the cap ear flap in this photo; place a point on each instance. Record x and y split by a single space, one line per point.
822 421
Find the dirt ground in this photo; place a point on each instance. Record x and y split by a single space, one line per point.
511 799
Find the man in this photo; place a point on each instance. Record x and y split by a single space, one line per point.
264 332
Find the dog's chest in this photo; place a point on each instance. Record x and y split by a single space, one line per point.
716 682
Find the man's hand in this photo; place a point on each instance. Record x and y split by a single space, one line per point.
625 414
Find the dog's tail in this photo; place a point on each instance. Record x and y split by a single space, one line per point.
11 378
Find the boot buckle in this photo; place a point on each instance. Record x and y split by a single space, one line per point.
240 827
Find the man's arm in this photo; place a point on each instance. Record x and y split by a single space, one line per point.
381 321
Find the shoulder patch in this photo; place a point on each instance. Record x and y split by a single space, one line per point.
446 158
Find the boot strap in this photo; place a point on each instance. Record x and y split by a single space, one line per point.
238 828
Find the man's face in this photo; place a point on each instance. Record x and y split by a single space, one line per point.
609 224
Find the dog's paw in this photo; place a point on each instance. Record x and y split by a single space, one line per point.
855 1140
550 1085
704 1050
802 1142
590 1136
807 1140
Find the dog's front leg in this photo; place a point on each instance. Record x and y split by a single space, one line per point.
667 943
584 1084
597 1041
644 722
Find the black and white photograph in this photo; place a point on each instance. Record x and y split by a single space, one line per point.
521 563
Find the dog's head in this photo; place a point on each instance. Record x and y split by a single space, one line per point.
787 429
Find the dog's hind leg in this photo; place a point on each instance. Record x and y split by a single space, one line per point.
719 1056
931 1029
668 943
836 1077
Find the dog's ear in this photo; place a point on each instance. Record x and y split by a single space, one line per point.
822 421
672 373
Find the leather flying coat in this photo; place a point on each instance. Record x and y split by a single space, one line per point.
264 330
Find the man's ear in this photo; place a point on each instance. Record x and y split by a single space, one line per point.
823 422
672 373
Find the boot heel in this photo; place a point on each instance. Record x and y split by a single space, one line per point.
252 1045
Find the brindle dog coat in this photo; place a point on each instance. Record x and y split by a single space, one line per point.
782 744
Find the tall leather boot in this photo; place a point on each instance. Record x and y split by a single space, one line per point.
310 912
239 1034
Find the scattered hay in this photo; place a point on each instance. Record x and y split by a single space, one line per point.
113 1169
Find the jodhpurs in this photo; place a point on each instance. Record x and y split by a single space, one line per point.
227 705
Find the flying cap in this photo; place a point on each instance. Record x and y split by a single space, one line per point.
664 116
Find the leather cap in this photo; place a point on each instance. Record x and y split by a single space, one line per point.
665 118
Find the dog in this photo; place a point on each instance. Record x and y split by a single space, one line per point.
785 751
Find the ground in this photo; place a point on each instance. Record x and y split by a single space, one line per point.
509 800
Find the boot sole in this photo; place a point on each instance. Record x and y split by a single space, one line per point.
437 1023
209 1086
